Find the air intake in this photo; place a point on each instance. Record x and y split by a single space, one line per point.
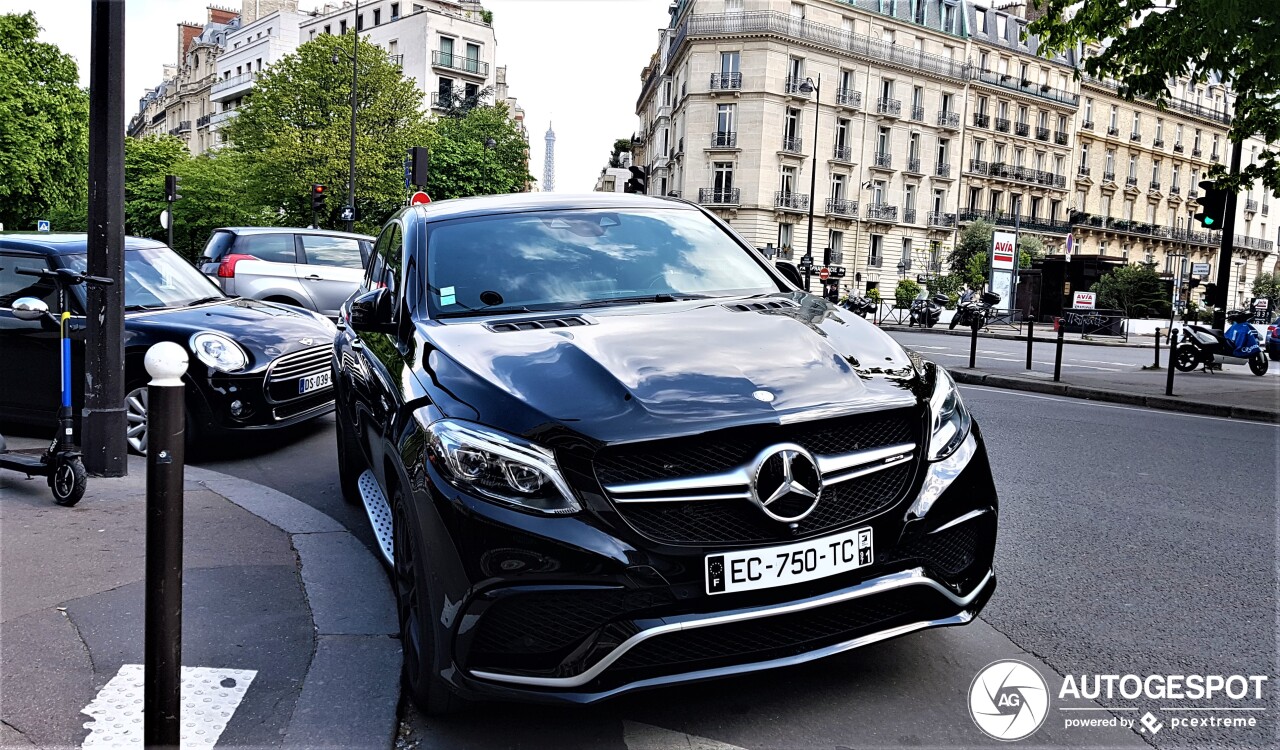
762 305
537 324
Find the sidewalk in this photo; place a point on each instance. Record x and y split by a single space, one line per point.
289 627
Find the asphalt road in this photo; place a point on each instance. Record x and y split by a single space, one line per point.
1132 541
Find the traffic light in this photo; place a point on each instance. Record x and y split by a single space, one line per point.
1193 283
171 188
419 166
318 192
1213 206
637 183
1211 293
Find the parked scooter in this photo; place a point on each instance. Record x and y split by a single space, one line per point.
858 305
927 311
60 462
974 312
1213 348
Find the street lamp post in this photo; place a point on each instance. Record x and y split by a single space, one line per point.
355 50
809 86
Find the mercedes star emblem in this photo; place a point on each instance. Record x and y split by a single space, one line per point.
306 342
786 483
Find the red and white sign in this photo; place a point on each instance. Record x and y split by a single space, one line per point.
1003 252
1084 300
419 197
824 273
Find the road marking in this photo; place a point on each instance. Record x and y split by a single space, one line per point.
1087 402
209 698
639 736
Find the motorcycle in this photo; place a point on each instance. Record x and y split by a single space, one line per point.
926 311
974 312
858 305
1239 345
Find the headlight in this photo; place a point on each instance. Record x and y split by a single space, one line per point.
950 419
218 351
499 467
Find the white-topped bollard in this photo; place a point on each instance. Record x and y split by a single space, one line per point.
166 439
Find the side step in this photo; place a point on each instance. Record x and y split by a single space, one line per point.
375 504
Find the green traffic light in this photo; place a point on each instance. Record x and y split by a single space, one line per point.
1208 220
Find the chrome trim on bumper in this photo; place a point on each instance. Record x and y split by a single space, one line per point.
912 577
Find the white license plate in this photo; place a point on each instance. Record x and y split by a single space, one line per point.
792 563
315 382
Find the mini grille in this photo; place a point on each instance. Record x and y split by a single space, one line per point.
537 325
773 304
299 364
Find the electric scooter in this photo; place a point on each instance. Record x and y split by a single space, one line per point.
60 462
1212 348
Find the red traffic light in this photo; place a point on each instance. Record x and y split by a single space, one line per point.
318 189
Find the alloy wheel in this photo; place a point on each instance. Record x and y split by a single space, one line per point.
408 606
136 414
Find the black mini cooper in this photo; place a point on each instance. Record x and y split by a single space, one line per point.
606 445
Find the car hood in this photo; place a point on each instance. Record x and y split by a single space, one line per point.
667 369
266 330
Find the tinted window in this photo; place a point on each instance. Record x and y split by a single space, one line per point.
157 277
13 285
277 248
384 266
218 245
331 251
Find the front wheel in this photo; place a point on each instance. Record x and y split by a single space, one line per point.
1258 364
955 321
350 463
1186 358
68 481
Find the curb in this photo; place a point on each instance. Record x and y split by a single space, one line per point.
1166 403
356 662
1132 343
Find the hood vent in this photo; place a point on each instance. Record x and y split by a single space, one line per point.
762 305
572 321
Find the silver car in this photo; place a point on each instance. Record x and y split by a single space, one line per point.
312 268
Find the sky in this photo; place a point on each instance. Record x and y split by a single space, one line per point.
572 63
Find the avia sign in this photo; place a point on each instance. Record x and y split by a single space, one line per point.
1003 253
1084 300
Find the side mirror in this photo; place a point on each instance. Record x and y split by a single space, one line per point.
792 273
371 311
29 308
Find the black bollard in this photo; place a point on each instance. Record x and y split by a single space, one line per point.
1173 347
973 345
1031 332
1156 366
162 670
1057 356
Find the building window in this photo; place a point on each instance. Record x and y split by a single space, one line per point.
788 180
377 16
327 29
975 198
791 128
722 181
784 238
1133 166
1115 114
724 122
978 148
837 187
982 20
873 255
342 26
1088 109
444 90
835 241
906 253
360 22
395 11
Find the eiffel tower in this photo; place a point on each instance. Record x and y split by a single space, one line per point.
549 163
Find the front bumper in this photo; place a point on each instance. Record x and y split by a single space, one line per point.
266 398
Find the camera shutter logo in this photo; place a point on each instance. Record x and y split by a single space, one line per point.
1008 700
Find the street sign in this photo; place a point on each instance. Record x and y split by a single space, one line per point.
1199 269
1261 303
419 198
1084 301
164 219
348 214
42 225
824 273
838 272
1002 252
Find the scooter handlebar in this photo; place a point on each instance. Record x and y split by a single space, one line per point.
65 275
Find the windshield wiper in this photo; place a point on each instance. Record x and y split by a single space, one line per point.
485 311
203 300
662 297
135 308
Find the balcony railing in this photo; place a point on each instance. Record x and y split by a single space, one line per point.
1265 209
183 127
1128 226
726 81
940 219
1012 83
842 207
1026 174
792 85
943 169
881 212
1196 152
1131 182
441 59
1177 148
875 261
1005 219
1155 185
1042 133
232 82
1113 130
1002 125
1108 176
1250 205
978 166
792 144
791 201
842 153
1253 243
884 161
981 120
1192 194
724 139
1087 124
908 216
1083 171
715 197
1059 137
1175 190
913 165
1213 156
1170 102
949 119
917 113
1021 128
397 60
1158 143
849 98
203 121
1135 137
891 107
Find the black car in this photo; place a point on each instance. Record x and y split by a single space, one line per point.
605 445
254 365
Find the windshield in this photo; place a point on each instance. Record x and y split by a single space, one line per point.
156 277
557 259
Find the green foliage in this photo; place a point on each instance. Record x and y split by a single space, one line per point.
974 239
620 145
949 285
975 270
146 162
44 128
873 294
295 131
1030 248
1136 289
461 166
1149 44
905 292
486 16
1268 285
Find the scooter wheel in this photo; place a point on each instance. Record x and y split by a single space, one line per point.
955 320
68 481
1258 364
1186 358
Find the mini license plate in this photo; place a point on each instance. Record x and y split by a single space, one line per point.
315 382
792 563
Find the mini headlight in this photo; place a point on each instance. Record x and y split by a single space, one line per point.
218 351
951 419
499 467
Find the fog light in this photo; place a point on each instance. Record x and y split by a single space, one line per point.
237 409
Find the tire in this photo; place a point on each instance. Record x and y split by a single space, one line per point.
350 467
955 320
135 402
1186 358
68 480
1258 364
420 638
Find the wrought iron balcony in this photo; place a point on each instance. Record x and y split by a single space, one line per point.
940 219
842 207
1177 148
1087 124
884 161
397 60
1193 193
917 113
792 85
1131 182
943 169
949 119
891 107
203 120
1004 219
1108 176
1002 125
726 81
849 98
1083 171
791 201
981 120
1059 137
1196 152
724 139
1012 83
715 197
842 153
978 166
441 59
1042 133
1135 137
792 144
908 216
1213 156
1158 143
875 261
913 165
1021 128
1155 185
183 127
1250 205
1113 130
1175 190
881 212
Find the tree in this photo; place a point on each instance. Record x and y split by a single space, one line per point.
462 165
619 146
974 273
1030 248
44 126
146 162
974 239
295 130
1136 289
458 103
1267 285
1145 45
906 291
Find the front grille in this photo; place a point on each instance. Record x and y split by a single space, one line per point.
284 373
540 623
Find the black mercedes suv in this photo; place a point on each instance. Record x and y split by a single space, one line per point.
606 445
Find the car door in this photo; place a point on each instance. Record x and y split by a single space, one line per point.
384 355
29 386
270 271
333 270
